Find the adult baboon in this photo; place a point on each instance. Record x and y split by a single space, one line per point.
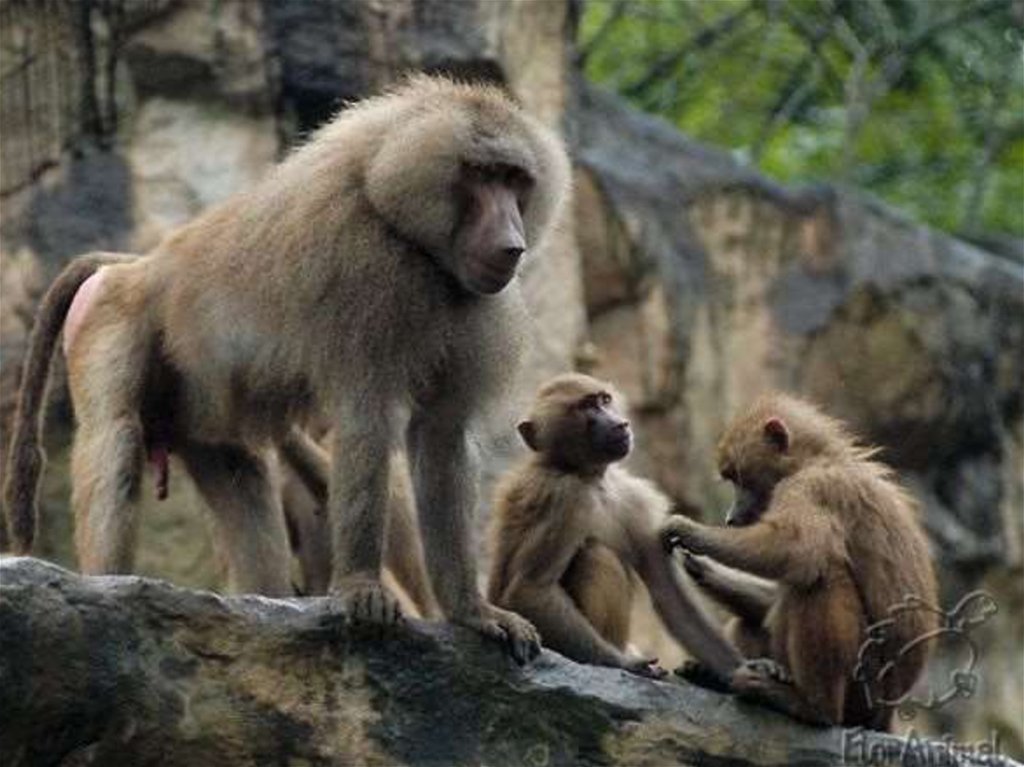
365 277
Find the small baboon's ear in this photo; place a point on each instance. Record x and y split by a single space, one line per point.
777 433
529 434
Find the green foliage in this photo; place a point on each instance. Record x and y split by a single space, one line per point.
918 101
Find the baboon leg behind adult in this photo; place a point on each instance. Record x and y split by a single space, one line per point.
245 502
305 498
403 549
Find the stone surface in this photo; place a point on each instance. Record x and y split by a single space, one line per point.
128 671
172 181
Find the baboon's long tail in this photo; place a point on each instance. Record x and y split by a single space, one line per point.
26 457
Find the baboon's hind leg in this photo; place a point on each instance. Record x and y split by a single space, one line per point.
249 524
107 465
106 371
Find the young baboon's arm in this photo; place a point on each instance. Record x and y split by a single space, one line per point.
741 593
535 591
779 547
563 627
683 613
26 456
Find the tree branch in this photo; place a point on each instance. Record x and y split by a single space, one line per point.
700 41
617 12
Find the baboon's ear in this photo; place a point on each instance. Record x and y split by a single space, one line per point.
777 434
528 432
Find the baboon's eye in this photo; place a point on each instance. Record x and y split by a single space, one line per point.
605 398
515 177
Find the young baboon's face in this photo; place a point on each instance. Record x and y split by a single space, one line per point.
575 424
753 455
776 437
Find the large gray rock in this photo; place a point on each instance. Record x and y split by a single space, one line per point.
128 671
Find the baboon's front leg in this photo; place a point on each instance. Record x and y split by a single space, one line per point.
358 507
445 481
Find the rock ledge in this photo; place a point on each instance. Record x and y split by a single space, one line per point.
132 671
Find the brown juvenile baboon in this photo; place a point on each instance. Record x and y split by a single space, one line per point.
365 278
815 513
572 532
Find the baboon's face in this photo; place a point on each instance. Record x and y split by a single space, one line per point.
608 435
473 184
489 235
576 425
751 456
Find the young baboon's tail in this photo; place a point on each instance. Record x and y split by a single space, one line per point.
26 457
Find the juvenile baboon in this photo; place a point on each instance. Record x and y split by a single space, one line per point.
572 532
833 528
365 277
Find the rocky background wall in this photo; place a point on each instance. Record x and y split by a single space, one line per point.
689 280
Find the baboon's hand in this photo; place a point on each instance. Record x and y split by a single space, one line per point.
680 531
697 673
696 566
756 674
517 633
366 601
645 667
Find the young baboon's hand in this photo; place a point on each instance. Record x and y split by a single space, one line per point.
645 667
697 673
366 601
517 633
757 673
696 566
680 531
